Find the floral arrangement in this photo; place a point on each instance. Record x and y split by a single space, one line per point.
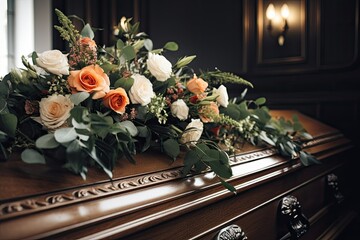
94 105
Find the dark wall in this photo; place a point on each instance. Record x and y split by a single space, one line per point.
316 71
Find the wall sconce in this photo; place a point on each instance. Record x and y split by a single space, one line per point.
278 23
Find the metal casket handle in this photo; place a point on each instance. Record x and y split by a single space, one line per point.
297 222
232 232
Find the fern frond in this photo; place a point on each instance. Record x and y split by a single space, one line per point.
218 77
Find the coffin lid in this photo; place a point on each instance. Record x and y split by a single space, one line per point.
33 194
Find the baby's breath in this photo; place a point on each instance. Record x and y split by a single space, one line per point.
157 106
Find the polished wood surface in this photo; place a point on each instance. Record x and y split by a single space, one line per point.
151 200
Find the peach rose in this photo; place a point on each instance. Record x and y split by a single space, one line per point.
86 41
91 79
209 112
196 85
116 100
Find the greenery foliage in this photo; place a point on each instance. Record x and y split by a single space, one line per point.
87 110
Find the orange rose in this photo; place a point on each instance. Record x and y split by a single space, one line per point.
116 100
86 41
91 79
196 85
208 113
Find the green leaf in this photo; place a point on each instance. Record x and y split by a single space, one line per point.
307 159
3 106
93 155
87 31
8 123
171 46
47 142
65 135
79 97
128 52
78 113
4 88
182 62
260 101
125 83
171 148
120 44
107 67
75 156
220 169
228 186
232 111
31 156
130 127
148 44
263 136
191 158
3 136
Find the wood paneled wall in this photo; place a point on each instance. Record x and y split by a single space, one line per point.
322 82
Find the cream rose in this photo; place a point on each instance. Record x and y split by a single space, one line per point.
159 66
223 98
179 109
141 91
55 110
54 62
192 132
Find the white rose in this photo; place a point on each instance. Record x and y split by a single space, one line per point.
192 132
54 62
159 66
179 109
141 91
55 110
223 98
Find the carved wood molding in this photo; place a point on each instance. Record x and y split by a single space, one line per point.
46 201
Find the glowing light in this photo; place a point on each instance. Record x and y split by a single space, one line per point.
270 12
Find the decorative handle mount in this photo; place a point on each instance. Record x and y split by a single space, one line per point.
297 223
232 232
332 181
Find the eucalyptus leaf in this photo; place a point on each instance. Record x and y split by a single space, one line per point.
148 44
128 52
8 123
171 46
228 186
33 157
220 169
125 83
87 31
93 155
260 101
79 97
47 142
120 44
65 135
130 127
78 113
191 158
171 148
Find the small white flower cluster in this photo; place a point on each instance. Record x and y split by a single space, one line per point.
157 107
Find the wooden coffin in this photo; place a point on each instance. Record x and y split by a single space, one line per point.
151 200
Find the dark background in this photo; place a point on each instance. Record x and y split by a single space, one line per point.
319 75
